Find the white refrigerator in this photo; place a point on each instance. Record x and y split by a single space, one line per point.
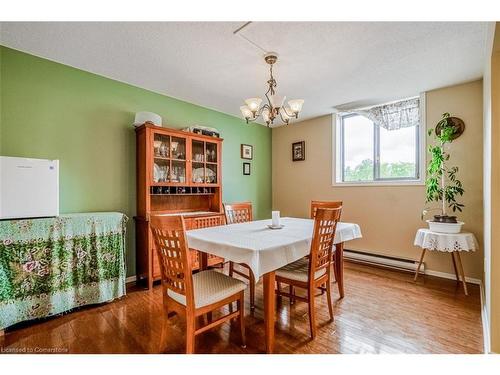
28 188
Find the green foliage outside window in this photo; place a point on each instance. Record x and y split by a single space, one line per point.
364 171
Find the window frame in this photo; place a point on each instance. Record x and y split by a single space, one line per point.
338 162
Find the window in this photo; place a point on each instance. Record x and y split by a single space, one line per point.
381 145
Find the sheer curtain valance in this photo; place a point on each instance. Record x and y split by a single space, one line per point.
393 116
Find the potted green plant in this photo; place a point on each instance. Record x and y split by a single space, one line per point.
442 184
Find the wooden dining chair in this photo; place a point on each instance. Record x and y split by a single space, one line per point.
326 204
323 204
241 213
188 294
206 222
313 272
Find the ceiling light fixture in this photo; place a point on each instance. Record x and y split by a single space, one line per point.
275 103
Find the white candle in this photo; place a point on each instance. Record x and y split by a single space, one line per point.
276 218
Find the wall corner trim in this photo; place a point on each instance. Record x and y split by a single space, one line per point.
484 321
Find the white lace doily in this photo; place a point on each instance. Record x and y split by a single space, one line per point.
429 240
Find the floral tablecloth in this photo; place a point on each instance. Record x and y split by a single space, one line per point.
52 265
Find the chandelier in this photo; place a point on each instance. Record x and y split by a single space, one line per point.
274 107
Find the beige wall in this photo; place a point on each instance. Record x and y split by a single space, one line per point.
388 215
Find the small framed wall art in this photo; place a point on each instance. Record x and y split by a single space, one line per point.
299 151
246 169
247 152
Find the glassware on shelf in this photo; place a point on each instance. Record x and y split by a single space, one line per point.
178 148
163 150
157 146
211 152
161 145
211 174
198 173
178 171
160 171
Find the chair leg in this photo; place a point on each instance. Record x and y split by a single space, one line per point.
231 268
190 336
335 271
292 301
312 316
252 289
329 297
241 308
278 286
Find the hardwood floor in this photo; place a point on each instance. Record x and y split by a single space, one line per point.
382 312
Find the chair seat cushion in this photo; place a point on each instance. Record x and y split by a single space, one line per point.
298 271
210 287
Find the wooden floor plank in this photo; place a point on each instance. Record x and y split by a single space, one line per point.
382 312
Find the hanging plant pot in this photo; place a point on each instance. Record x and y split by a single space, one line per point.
457 124
443 227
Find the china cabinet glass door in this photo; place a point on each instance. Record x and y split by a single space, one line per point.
169 159
204 162
211 171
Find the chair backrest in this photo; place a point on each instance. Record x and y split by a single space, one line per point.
323 204
238 212
206 222
325 224
169 234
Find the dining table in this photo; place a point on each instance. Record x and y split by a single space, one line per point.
264 250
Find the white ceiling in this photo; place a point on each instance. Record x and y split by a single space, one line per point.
326 63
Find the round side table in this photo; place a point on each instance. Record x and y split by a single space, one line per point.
448 243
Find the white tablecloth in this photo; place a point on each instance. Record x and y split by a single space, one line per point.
261 248
447 242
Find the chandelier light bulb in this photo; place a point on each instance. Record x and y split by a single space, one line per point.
253 104
246 112
296 105
265 116
277 100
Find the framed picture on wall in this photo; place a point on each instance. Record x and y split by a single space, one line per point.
299 151
246 169
247 152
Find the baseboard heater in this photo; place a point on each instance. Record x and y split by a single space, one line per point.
384 261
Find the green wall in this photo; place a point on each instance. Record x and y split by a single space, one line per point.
50 110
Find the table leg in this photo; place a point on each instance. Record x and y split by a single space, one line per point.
269 309
455 266
419 264
461 270
203 258
339 265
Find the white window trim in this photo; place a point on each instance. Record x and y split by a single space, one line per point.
336 167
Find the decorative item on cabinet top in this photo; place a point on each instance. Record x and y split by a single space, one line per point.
204 130
147 118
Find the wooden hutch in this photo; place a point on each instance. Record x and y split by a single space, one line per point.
177 173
